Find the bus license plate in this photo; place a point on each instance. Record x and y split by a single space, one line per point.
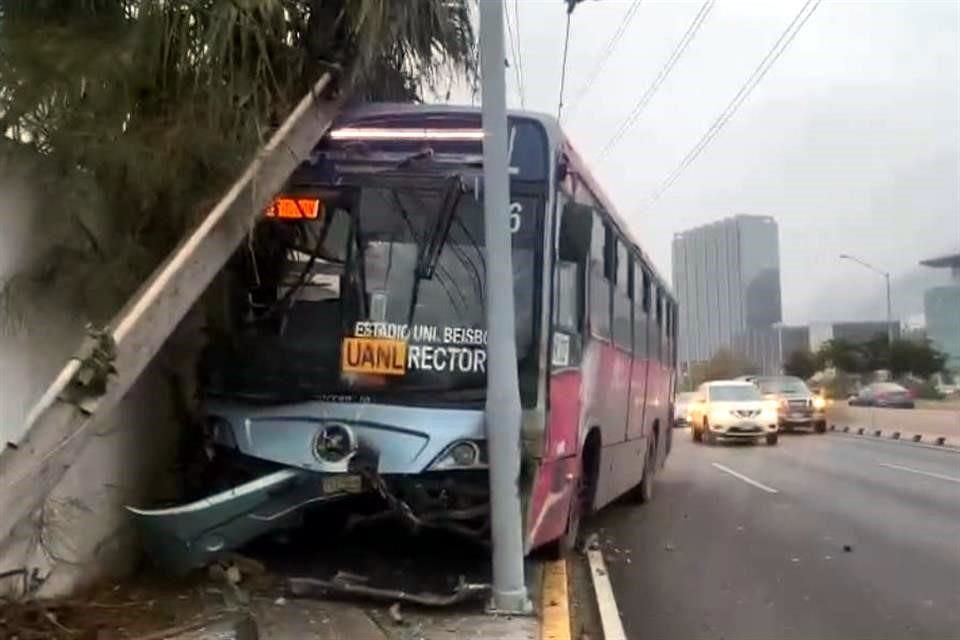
342 484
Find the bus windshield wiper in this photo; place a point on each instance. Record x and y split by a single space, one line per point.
430 247
430 252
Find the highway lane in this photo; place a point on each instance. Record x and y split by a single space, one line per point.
819 537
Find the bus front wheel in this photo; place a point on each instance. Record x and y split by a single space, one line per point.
581 500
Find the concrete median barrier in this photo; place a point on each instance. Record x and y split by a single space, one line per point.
939 427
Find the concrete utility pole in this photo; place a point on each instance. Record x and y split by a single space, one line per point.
59 426
886 277
503 389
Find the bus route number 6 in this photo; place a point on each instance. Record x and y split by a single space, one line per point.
515 210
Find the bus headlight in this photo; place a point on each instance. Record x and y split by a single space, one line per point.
463 454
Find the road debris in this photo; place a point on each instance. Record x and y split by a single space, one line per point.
590 543
347 585
847 548
395 614
669 547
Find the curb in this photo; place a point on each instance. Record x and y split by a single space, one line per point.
555 623
606 602
938 443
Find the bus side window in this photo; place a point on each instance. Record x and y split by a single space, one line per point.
622 330
640 316
646 292
659 316
601 266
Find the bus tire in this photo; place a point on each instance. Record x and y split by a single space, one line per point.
582 501
643 492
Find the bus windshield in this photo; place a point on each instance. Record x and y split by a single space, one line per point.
366 317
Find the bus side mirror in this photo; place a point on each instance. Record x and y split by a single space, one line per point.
576 226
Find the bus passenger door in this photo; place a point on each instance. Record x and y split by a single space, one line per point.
567 331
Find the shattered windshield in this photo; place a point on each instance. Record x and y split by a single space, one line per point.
365 317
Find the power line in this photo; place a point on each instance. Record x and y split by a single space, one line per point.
517 70
516 15
795 26
661 77
563 70
605 54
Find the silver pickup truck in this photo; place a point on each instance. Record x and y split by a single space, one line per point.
797 405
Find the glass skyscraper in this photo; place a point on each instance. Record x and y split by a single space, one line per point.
941 306
726 276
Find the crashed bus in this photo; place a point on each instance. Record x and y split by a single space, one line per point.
350 358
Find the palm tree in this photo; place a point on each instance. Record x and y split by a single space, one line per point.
126 118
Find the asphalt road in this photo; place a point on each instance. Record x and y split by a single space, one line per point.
762 555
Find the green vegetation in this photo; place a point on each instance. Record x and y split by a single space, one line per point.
125 119
724 365
904 357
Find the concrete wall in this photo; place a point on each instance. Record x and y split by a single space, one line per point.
82 534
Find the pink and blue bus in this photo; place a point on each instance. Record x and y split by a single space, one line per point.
349 357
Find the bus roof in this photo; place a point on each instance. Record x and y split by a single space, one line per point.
555 137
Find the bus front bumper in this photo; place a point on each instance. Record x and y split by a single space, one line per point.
191 535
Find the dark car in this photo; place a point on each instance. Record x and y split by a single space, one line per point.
797 405
883 394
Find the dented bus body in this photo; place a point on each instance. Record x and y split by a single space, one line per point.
351 358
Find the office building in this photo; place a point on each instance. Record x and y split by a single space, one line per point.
727 279
941 308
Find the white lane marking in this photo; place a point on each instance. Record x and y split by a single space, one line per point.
919 472
610 620
750 481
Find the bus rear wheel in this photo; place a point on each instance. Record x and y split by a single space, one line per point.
643 492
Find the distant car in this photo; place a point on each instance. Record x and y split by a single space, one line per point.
888 395
797 406
681 408
732 410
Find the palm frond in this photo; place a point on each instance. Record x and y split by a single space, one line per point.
126 115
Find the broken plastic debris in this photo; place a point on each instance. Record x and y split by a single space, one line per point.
669 547
339 585
591 543
280 601
395 614
794 559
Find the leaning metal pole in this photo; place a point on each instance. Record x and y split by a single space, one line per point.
503 394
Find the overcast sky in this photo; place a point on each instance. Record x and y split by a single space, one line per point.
851 141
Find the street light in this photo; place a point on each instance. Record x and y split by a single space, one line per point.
886 276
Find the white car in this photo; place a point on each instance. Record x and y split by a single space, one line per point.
732 410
